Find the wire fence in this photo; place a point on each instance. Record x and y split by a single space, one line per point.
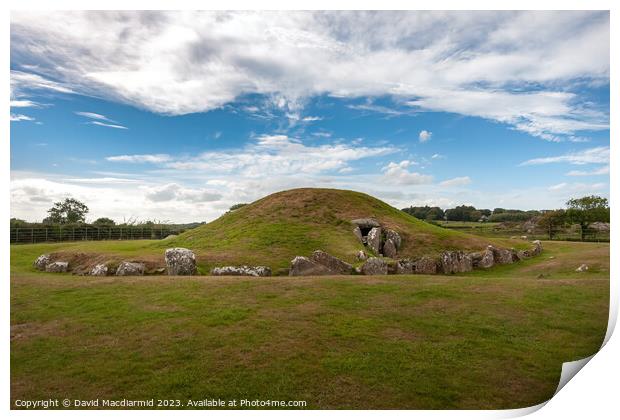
88 233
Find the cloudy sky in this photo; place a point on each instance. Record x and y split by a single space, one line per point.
177 116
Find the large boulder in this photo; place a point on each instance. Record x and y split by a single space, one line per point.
455 262
502 256
537 248
389 249
302 266
366 223
244 270
425 265
99 270
392 235
42 261
374 240
405 267
374 266
335 265
127 268
57 267
482 259
180 262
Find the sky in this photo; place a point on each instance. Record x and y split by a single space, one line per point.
176 116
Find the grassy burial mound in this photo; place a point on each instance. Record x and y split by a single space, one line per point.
271 232
276 228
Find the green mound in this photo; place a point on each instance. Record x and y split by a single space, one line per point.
274 229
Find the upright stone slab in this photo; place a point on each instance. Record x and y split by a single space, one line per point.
425 265
335 265
42 261
374 240
392 235
389 249
180 262
455 262
374 266
303 266
127 268
57 267
99 270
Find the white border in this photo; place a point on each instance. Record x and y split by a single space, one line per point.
593 393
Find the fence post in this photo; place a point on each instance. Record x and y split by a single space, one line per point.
73 235
16 235
32 235
46 234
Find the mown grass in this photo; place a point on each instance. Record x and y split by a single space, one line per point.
491 339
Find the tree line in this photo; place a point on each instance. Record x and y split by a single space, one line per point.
579 211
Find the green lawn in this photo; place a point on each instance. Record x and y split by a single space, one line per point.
490 339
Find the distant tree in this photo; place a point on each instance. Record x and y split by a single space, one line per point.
15 223
425 212
237 206
586 210
498 210
68 211
485 212
104 221
551 221
463 214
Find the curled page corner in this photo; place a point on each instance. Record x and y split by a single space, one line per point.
569 370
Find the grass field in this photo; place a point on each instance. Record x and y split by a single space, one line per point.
489 339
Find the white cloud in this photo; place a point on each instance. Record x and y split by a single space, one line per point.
594 155
437 156
93 115
176 192
158 158
21 117
425 136
122 127
311 119
397 173
578 188
603 170
24 103
456 182
184 62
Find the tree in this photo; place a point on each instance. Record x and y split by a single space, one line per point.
586 210
68 211
551 221
104 221
237 206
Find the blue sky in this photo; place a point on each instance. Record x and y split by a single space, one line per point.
177 116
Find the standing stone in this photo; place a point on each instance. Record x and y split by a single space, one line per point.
99 270
482 259
374 240
425 265
127 268
335 265
42 261
389 249
302 266
502 256
392 235
374 266
537 248
455 262
180 262
404 267
57 267
358 234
